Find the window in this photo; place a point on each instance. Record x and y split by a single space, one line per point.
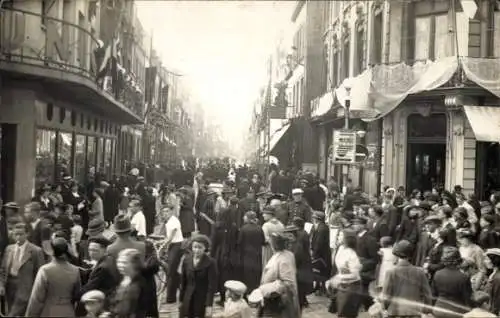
442 45
108 156
80 153
377 39
493 31
432 39
422 38
335 68
346 54
82 41
91 156
360 51
496 36
45 157
428 37
64 155
301 92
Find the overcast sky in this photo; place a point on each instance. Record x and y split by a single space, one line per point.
222 47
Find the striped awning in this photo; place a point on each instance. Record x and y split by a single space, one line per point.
485 122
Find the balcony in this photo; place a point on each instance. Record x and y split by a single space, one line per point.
59 57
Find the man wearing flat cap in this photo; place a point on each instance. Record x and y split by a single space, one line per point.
408 282
298 207
427 239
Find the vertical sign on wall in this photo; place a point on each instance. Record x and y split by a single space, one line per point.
344 147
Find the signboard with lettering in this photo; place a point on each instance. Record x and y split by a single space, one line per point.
344 147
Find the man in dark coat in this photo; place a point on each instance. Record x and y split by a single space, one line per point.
321 253
224 249
111 201
207 213
298 207
301 250
378 228
186 214
103 276
149 210
123 229
367 250
250 242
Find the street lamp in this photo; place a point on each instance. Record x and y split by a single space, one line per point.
347 85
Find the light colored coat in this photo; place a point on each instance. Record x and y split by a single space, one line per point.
56 286
280 276
31 261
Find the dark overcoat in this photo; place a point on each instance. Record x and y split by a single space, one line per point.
321 253
198 285
453 291
250 242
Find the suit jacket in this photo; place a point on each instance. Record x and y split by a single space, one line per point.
410 283
379 229
119 245
31 261
103 277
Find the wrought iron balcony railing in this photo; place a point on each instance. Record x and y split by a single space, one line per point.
30 38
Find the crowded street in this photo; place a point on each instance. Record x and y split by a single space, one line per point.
243 159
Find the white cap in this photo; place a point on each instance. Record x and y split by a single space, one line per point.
297 191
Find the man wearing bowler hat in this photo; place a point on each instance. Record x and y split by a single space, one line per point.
123 229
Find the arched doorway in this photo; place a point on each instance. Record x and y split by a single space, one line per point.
426 156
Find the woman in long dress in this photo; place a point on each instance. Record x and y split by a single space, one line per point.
271 225
56 285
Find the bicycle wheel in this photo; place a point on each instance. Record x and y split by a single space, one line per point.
161 281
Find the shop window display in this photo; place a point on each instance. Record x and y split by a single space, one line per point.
45 157
64 155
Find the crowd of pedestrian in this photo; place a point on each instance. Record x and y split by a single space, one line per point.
265 243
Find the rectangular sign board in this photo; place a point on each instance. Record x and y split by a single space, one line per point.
344 147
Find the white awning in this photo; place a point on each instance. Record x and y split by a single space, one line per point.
485 122
275 138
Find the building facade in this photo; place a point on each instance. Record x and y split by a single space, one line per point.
73 92
422 87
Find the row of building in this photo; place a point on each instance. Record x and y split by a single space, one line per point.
416 81
83 92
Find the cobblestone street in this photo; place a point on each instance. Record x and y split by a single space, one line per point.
317 309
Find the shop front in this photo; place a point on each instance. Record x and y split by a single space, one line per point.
427 144
44 140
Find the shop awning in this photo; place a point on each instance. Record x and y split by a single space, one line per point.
276 137
485 122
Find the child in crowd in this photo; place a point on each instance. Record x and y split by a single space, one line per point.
388 260
235 305
480 301
94 304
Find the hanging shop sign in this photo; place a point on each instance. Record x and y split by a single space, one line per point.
344 147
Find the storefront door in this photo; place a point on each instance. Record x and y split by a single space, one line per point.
426 157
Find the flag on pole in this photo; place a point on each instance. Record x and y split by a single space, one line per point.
469 7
